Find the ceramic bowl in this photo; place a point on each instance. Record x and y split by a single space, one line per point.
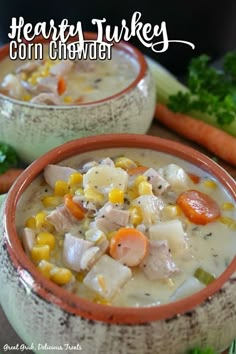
34 129
46 315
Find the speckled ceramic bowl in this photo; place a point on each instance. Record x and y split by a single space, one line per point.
43 313
34 129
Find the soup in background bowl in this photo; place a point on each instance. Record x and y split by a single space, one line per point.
177 313
46 103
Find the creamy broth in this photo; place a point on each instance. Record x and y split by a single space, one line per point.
67 82
210 247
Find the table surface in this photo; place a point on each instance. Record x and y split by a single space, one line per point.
7 334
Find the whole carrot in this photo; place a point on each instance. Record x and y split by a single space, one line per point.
213 139
8 178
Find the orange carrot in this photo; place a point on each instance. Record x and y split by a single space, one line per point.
61 86
199 207
129 246
137 170
78 100
8 178
195 179
75 209
213 139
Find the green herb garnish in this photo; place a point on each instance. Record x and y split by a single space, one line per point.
211 91
203 276
201 351
8 157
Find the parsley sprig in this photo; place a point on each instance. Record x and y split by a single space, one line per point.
8 157
211 91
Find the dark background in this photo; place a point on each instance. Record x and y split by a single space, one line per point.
209 24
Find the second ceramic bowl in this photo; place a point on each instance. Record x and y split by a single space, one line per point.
34 129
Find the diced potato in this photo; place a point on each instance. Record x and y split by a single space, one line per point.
28 239
73 249
105 178
172 231
150 206
107 277
188 287
94 235
175 176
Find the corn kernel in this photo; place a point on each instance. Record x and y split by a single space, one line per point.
144 188
94 235
92 195
171 211
110 235
26 97
68 99
79 191
210 184
45 267
46 238
60 243
61 276
40 219
33 78
102 282
227 206
136 215
100 300
52 201
40 252
132 192
125 163
30 222
139 179
41 222
44 72
231 223
169 282
61 188
116 196
23 76
88 89
80 276
75 179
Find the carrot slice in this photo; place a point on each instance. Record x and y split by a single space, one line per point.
137 170
129 246
195 179
8 178
61 86
199 207
74 208
78 100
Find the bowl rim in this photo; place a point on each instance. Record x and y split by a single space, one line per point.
122 45
72 303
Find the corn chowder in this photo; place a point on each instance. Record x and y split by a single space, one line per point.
128 227
67 82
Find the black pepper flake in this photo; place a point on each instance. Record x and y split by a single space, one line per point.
149 178
96 172
160 186
195 228
96 81
147 294
119 245
210 234
46 190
